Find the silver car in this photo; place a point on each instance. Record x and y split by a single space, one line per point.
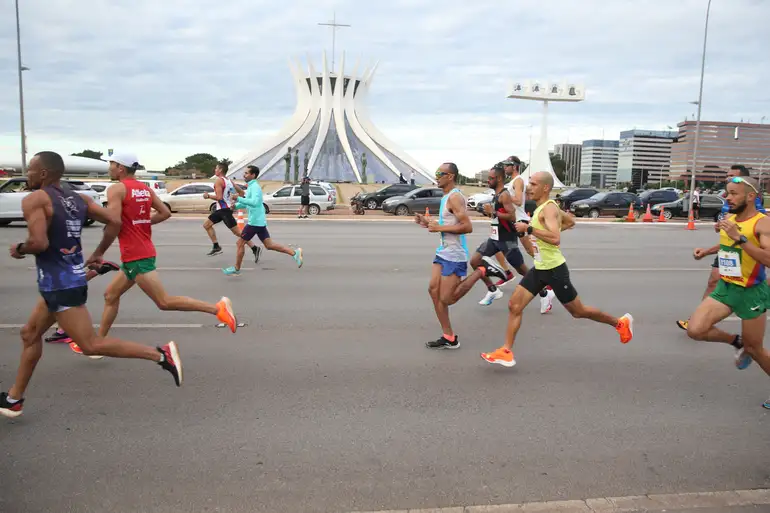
289 199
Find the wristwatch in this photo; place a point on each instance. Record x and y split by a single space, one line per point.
530 230
742 240
18 248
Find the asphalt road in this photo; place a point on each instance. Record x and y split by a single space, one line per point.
329 401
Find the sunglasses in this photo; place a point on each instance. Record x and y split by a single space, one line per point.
439 174
739 179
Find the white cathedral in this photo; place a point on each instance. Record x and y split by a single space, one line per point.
331 134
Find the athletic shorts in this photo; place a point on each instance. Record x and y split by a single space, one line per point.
60 300
510 249
224 215
448 268
558 278
715 263
137 267
746 302
305 200
250 231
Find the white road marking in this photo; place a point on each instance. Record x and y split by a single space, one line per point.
185 269
659 502
410 219
134 326
578 269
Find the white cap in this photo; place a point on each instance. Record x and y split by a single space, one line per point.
125 158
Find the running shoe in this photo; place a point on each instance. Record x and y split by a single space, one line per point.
10 410
226 314
443 343
59 337
491 269
491 296
742 359
625 328
76 349
298 257
683 324
106 267
501 356
766 404
214 251
546 302
231 271
257 253
503 281
171 361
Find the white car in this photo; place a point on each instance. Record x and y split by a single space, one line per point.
15 190
288 199
189 198
331 189
480 198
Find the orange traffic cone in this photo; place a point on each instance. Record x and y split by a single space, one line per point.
690 222
661 217
647 215
427 212
241 222
630 217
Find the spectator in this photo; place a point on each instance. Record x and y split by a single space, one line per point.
305 198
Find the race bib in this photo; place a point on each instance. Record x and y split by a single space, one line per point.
730 264
536 249
494 228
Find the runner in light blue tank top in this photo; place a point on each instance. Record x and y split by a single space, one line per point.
449 279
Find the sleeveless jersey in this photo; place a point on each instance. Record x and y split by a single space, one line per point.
521 214
453 246
735 265
500 229
547 256
61 265
227 193
136 232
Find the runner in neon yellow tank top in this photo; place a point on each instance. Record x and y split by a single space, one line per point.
743 253
550 269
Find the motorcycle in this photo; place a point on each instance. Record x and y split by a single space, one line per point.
357 205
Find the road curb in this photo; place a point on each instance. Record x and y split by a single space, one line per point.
341 219
630 504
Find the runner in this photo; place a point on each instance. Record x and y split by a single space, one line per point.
55 217
550 269
132 201
735 170
257 224
448 281
743 253
224 189
503 238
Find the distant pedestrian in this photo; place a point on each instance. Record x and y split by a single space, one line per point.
305 198
411 177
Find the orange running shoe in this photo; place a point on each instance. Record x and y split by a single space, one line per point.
501 356
625 328
76 349
226 314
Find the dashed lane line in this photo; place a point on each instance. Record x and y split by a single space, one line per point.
134 326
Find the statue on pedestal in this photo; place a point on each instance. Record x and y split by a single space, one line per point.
363 168
287 160
296 166
307 162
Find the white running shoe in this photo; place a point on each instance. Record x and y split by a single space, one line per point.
546 303
491 296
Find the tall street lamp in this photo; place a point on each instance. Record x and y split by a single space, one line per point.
21 93
700 104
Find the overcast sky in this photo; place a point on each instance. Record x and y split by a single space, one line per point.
170 78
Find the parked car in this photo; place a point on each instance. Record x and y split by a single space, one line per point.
568 197
331 189
373 200
414 201
480 197
189 198
653 197
607 203
15 190
710 207
288 199
157 186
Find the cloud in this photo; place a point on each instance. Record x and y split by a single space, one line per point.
171 78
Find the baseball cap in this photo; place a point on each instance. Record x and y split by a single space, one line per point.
125 158
499 165
513 160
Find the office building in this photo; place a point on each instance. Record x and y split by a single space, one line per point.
482 176
644 156
599 163
570 154
720 145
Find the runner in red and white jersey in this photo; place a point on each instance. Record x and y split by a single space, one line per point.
133 201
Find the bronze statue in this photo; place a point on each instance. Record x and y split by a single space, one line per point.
287 160
363 168
296 166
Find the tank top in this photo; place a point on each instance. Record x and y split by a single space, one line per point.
738 267
500 229
227 193
61 265
521 213
135 235
453 247
547 256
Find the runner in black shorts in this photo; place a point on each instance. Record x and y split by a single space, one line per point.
502 236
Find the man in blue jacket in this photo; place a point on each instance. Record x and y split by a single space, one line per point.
257 223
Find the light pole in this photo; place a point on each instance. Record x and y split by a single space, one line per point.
21 94
700 104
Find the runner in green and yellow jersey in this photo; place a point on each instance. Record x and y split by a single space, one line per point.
550 269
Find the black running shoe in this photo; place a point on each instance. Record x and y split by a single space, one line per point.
10 410
214 251
107 267
171 361
443 343
257 252
59 337
492 269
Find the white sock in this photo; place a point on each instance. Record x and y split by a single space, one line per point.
11 401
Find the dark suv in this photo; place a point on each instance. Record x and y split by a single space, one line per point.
373 200
654 197
570 196
607 203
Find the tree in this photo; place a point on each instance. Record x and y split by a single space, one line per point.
203 163
559 166
89 154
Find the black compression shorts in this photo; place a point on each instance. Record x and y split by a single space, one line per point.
558 278
224 215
